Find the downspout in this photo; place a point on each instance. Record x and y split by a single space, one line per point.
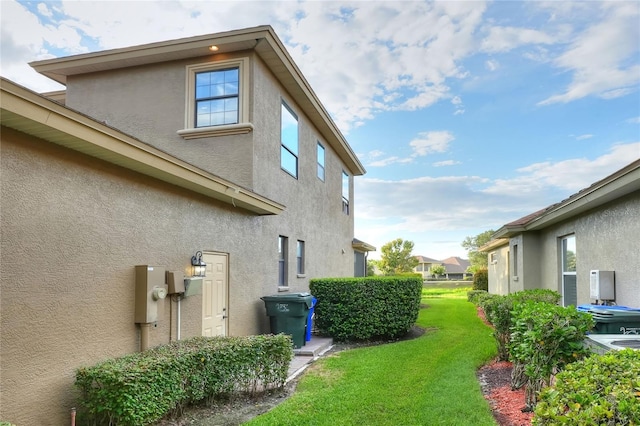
144 336
178 319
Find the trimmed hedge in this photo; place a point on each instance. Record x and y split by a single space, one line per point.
599 390
366 308
141 388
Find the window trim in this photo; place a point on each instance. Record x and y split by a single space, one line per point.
300 259
563 262
243 126
283 264
346 200
320 166
284 105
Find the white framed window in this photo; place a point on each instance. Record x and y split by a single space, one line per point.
300 258
283 243
289 141
568 258
217 99
345 193
320 150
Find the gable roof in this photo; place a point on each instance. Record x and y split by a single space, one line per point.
455 264
262 40
28 112
424 259
618 184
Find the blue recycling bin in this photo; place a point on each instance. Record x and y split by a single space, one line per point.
310 319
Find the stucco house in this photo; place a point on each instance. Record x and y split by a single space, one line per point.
595 229
455 267
211 148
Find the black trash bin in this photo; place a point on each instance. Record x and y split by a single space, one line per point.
288 314
614 319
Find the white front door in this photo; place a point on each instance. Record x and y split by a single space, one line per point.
214 295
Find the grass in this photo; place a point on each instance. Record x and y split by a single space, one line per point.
426 381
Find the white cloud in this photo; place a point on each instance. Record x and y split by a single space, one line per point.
600 59
491 64
503 39
567 175
583 137
388 161
634 120
446 163
431 142
432 204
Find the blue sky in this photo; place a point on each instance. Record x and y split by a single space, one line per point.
466 115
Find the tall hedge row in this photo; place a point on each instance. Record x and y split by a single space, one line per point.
366 308
141 388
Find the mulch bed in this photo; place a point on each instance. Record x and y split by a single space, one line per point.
495 381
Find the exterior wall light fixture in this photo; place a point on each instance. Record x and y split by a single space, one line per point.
198 265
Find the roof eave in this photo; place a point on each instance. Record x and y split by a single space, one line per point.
262 39
30 113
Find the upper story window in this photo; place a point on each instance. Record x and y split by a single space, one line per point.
320 162
217 99
289 141
345 192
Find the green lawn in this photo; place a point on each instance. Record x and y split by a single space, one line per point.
426 381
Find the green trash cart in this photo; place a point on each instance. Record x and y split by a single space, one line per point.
288 314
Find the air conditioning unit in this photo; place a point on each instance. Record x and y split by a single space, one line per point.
602 285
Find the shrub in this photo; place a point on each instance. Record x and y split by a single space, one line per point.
545 338
141 388
366 308
475 296
599 390
481 279
498 311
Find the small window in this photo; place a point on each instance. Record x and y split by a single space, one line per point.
493 258
217 99
216 95
300 258
289 141
345 193
320 162
515 260
282 261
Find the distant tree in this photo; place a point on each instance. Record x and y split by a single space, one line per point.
438 270
477 260
396 257
371 267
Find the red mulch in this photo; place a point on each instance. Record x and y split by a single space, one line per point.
507 404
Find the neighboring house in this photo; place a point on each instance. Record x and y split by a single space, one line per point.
556 248
214 144
361 251
455 267
424 266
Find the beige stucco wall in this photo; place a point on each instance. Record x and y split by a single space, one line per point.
74 228
499 270
608 239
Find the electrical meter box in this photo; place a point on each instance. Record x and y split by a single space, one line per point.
150 293
175 282
602 285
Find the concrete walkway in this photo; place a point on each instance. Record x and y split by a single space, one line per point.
310 352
